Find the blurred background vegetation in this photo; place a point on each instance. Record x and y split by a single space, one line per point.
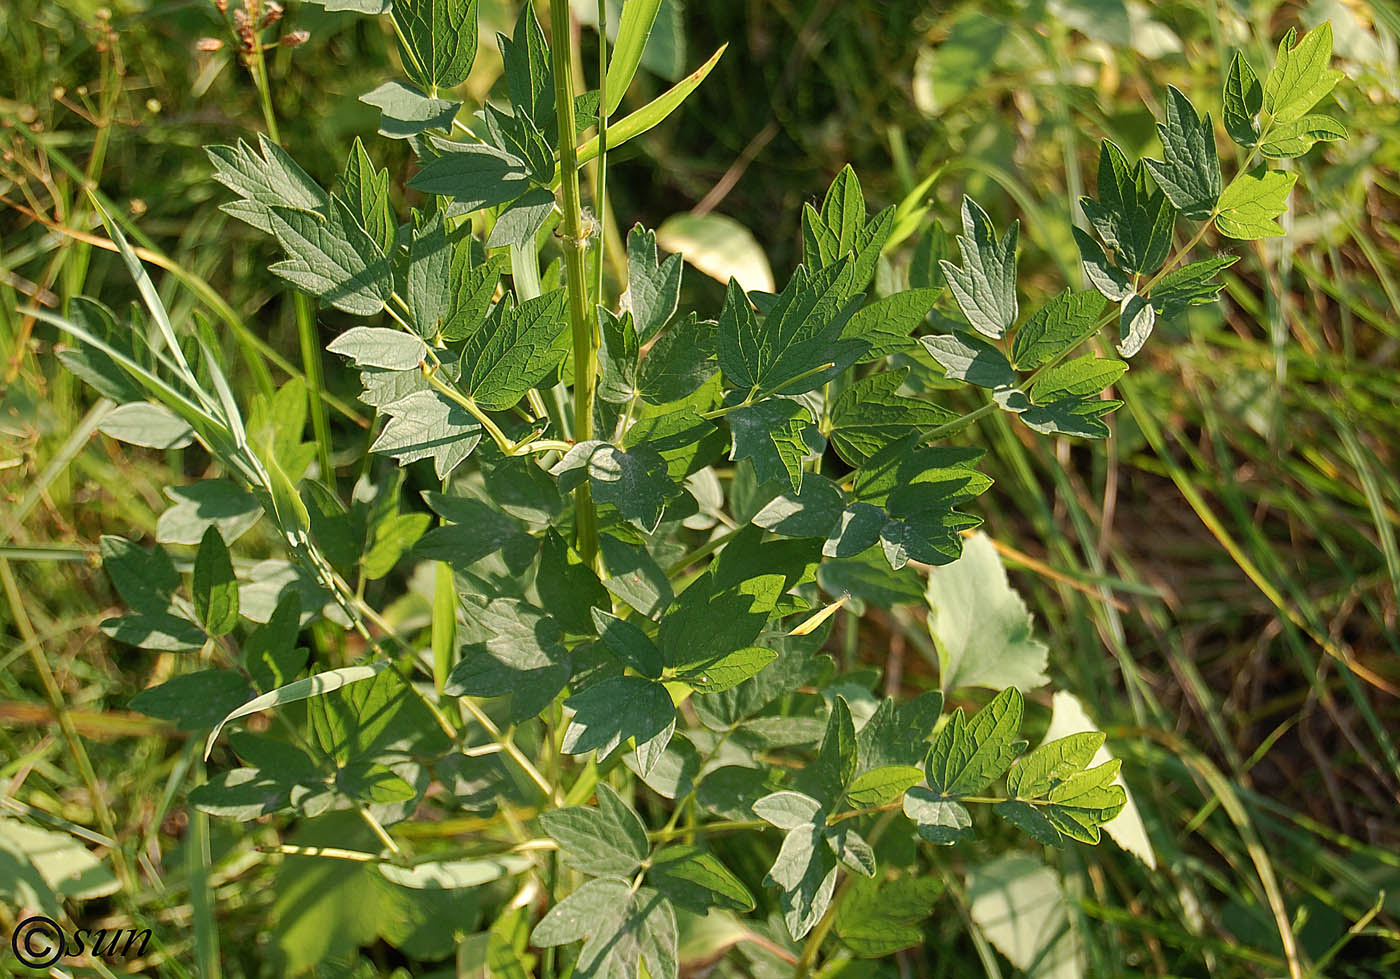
1219 583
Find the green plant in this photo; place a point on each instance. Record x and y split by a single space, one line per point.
566 573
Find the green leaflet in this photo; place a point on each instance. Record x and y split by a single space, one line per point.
878 918
263 178
772 435
147 424
1301 75
1135 323
455 874
404 111
522 220
437 40
1295 138
805 869
426 425
842 216
1076 378
936 819
980 625
474 175
897 736
1190 285
616 710
509 647
969 755
634 576
392 538
332 258
270 652
1190 176
712 619
798 345
1055 328
985 285
835 766
1248 207
515 349
727 670
373 783
375 346
1052 763
628 643
1072 416
684 440
312 686
870 415
621 930
605 839
884 326
653 288
693 878
215 590
208 503
146 580
365 192
965 357
528 72
371 721
881 786
1130 216
1244 97
840 230
812 512
1111 281
430 257
852 850
568 587
471 282
617 357
193 701
679 361
636 481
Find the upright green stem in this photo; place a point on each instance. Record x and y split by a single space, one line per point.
600 195
585 337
